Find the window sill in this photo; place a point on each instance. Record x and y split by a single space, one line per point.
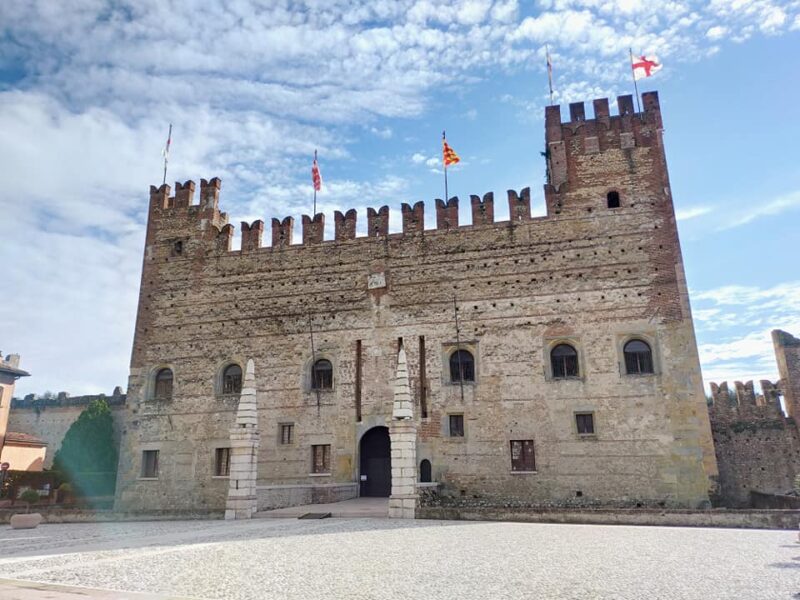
319 474
557 379
228 396
147 478
456 438
587 436
523 472
458 383
639 374
220 477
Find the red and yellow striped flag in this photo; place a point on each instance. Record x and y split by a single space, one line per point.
448 154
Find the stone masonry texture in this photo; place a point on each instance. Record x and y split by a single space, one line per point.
758 444
585 274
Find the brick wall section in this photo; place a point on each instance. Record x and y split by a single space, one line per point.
757 447
787 354
595 277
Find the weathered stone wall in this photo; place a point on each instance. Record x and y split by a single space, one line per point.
757 445
49 418
585 273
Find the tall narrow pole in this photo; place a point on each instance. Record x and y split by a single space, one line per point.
166 153
458 349
549 72
444 160
635 85
314 213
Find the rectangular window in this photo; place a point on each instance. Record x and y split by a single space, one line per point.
585 423
287 433
222 462
456 425
150 463
321 458
522 458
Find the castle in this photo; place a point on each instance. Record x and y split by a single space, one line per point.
549 359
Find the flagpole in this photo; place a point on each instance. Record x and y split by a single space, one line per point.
446 198
166 154
635 85
314 185
549 72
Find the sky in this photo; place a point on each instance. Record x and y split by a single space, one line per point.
252 88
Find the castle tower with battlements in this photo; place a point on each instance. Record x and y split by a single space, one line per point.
550 360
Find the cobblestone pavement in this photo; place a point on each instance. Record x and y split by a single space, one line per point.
380 558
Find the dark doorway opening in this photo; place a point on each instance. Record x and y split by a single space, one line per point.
376 463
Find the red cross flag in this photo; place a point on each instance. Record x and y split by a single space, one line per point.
645 66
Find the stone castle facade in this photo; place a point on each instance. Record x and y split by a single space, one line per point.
547 360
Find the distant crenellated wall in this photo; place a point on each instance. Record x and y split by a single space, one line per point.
756 443
49 418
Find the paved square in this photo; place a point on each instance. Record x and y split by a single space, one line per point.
382 558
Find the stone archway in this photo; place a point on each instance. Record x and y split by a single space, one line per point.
376 463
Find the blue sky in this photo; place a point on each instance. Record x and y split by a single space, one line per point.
87 89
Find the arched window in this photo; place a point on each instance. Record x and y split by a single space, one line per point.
613 199
638 357
232 380
163 385
564 361
322 375
462 366
425 475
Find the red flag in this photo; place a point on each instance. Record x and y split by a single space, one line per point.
316 178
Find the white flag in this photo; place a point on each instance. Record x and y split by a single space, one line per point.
645 66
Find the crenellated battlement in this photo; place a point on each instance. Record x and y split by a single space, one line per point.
575 147
164 208
742 403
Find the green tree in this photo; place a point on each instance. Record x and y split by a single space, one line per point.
87 457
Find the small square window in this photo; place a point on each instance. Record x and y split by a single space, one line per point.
522 457
321 458
150 464
222 462
287 433
584 423
456 425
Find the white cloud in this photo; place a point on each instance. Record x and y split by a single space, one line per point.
253 88
717 32
418 158
684 214
781 204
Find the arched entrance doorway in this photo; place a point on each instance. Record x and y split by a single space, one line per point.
376 463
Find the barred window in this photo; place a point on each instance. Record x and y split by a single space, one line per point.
456 425
564 361
321 458
638 358
462 366
163 385
232 380
287 433
150 464
584 423
322 375
222 462
522 458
